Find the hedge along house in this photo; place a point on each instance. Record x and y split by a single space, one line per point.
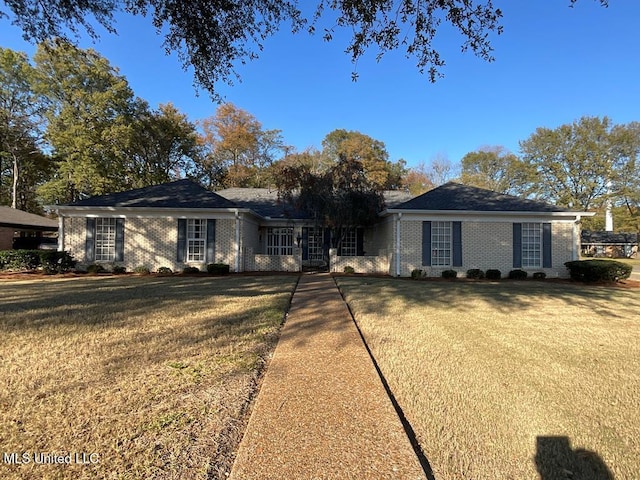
458 227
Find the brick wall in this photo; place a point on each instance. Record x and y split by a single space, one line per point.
152 242
485 245
363 264
6 238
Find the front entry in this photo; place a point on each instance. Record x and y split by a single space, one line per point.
315 249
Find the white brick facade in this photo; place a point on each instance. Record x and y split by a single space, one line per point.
485 245
151 242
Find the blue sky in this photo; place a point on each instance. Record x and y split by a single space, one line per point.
553 65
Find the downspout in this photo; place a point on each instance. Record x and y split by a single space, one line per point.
398 244
237 265
575 254
61 233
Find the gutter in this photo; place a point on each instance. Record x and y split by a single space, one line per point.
237 262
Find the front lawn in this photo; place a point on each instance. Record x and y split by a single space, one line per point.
510 380
150 375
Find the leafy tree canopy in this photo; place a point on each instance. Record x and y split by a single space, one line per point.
496 169
212 36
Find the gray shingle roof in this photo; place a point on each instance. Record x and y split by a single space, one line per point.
455 196
178 194
263 201
10 217
588 236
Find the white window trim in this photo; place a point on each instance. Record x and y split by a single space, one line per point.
534 246
440 231
279 241
195 238
105 240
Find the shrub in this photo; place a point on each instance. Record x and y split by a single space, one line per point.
493 274
190 270
142 270
118 270
449 274
218 268
51 261
598 270
95 268
518 274
416 273
349 269
165 271
539 275
475 273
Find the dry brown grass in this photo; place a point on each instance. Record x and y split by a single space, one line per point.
152 374
509 380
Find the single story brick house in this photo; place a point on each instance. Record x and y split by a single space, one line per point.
180 224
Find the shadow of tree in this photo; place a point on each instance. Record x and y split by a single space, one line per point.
556 460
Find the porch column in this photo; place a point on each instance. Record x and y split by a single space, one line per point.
398 263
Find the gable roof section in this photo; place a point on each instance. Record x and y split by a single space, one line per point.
10 217
179 194
455 196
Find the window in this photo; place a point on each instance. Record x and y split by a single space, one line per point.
316 244
440 244
349 246
105 243
279 241
531 244
196 236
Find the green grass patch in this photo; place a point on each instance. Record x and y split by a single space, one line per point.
510 379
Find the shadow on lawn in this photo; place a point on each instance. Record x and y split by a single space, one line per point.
510 297
556 460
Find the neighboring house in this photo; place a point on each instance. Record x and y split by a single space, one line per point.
18 227
452 227
609 244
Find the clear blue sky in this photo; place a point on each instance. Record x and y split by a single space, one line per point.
553 65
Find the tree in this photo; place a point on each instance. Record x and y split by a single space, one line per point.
626 181
340 198
496 169
89 121
163 146
572 165
371 153
212 36
238 150
21 157
418 180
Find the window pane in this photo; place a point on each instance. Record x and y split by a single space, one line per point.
105 244
279 241
349 243
531 244
440 244
196 236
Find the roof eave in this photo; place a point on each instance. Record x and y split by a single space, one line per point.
391 211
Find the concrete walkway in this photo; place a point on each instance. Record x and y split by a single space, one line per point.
322 411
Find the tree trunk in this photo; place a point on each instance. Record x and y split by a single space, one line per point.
14 190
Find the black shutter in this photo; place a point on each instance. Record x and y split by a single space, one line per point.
305 243
182 240
426 244
457 243
517 245
546 245
359 242
119 240
211 241
90 244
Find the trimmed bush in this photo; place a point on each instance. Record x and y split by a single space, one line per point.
416 273
218 269
349 269
598 270
118 270
190 270
95 268
449 274
539 275
493 274
50 261
165 271
475 273
518 274
142 270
